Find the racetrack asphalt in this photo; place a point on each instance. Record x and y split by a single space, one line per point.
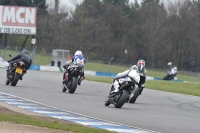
154 110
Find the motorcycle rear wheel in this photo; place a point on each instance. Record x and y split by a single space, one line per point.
73 85
15 79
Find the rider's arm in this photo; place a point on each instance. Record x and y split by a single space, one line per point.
16 57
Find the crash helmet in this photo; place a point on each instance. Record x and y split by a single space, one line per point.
141 62
78 52
25 52
175 68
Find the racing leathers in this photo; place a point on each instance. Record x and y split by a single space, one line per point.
20 57
142 72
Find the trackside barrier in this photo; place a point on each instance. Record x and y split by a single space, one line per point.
155 78
105 74
34 67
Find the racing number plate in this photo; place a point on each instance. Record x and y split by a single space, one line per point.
18 70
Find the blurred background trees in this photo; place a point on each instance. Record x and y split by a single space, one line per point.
151 30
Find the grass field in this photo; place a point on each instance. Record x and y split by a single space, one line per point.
38 60
47 122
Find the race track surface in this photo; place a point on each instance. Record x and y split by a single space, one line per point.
154 110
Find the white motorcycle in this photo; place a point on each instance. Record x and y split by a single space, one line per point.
127 85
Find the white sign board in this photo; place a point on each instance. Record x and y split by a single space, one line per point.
33 41
18 20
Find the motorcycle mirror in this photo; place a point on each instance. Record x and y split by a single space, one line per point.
10 55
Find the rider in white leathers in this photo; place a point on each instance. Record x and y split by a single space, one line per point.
174 71
122 76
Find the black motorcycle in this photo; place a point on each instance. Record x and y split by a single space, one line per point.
169 76
15 73
126 87
74 72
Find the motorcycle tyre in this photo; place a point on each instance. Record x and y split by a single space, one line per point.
73 86
15 79
122 99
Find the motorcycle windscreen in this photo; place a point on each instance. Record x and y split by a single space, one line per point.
135 76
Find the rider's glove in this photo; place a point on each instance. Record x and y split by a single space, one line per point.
65 66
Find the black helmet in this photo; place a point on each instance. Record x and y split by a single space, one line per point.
25 52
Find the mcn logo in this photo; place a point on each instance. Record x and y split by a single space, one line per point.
19 16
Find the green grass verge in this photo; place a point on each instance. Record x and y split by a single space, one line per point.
176 87
38 60
28 120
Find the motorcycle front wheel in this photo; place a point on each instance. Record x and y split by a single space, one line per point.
123 98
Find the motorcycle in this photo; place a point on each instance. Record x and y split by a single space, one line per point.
15 73
74 72
169 76
118 99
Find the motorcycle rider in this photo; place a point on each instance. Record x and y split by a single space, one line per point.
174 72
24 57
76 59
140 67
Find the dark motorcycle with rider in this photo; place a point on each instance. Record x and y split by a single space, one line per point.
18 66
74 74
171 74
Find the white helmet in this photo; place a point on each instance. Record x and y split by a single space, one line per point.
78 52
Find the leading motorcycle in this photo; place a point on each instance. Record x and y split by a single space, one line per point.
127 85
74 72
15 73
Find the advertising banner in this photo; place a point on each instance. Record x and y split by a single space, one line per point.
18 20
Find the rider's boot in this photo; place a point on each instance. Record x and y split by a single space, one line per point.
81 79
115 86
65 79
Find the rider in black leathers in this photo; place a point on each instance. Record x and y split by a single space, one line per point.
24 57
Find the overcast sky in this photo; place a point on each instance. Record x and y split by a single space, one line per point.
70 4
